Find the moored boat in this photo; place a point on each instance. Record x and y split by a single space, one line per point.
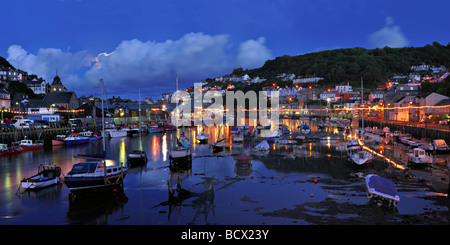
362 157
203 137
47 175
76 139
5 150
27 144
137 157
218 145
94 175
59 140
382 190
440 146
304 129
419 156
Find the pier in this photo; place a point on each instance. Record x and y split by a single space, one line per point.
417 130
47 134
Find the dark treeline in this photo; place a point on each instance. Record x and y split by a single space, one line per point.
348 65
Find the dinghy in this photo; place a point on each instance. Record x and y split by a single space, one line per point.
47 175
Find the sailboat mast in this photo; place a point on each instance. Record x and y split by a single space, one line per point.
103 116
362 110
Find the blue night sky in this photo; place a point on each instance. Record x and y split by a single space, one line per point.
144 44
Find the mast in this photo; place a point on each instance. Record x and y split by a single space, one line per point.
103 117
139 122
362 110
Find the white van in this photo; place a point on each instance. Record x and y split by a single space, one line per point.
23 123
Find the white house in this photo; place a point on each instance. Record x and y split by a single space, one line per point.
344 88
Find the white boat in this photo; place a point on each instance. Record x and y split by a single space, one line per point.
116 133
92 175
182 150
440 145
238 138
203 137
263 146
418 156
413 142
362 157
47 175
426 144
276 134
404 138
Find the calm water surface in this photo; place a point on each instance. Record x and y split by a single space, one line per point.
237 194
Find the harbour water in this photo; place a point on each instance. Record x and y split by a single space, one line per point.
294 183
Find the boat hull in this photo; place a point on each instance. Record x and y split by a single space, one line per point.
117 134
58 142
77 142
179 153
91 182
34 185
31 147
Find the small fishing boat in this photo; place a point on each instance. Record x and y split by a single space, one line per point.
440 146
238 138
182 150
90 135
155 129
137 157
426 144
304 129
263 146
404 138
218 145
5 150
47 175
27 144
203 137
382 190
76 139
94 175
59 140
419 156
353 145
362 157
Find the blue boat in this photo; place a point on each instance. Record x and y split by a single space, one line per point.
382 190
76 139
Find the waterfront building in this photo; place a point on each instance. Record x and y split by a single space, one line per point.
5 99
38 86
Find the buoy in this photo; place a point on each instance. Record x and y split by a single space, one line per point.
312 195
315 181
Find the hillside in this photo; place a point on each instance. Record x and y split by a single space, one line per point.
5 63
348 65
